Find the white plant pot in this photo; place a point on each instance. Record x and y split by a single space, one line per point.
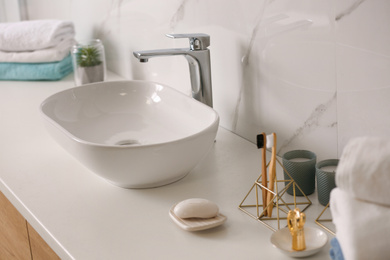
91 74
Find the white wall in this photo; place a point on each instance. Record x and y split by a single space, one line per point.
316 72
10 11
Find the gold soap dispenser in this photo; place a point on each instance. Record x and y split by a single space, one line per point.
295 221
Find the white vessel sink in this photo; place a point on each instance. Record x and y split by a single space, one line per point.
134 134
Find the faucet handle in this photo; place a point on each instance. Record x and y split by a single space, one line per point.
198 41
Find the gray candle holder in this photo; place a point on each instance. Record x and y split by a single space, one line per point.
303 172
325 180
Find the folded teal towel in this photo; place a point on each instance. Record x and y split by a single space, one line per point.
36 71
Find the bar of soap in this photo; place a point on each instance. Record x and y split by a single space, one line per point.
196 208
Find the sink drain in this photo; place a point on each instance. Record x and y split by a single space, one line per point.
127 142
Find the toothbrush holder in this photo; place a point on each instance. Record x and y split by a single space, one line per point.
326 173
301 165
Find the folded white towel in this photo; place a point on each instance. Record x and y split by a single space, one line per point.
56 53
34 35
364 169
362 228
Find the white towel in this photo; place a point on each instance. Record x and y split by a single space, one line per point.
34 35
56 53
364 169
362 228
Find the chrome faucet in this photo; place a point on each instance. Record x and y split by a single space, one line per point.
198 57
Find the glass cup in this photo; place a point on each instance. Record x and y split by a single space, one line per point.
89 62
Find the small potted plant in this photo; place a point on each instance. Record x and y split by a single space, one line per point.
89 62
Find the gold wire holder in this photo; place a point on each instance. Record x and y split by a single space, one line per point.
318 221
278 202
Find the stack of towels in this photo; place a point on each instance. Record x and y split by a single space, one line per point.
360 204
36 50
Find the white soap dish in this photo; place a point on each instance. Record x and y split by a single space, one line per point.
196 224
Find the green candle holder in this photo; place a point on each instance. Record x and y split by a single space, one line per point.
300 164
326 175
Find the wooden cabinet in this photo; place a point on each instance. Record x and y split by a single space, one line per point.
14 242
39 248
18 239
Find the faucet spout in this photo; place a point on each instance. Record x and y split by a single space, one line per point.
142 55
198 57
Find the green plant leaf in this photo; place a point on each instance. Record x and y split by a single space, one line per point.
88 56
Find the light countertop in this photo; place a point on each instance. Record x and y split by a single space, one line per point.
81 216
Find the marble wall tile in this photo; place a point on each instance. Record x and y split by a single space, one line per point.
295 91
360 69
363 113
363 66
364 24
313 71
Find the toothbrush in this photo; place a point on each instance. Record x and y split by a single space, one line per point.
261 143
271 143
